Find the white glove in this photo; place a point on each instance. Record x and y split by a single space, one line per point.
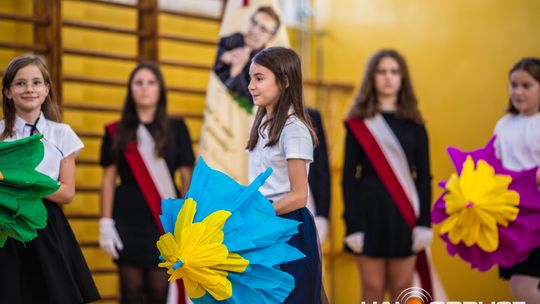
109 240
355 241
421 238
322 227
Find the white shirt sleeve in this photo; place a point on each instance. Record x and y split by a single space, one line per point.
70 142
295 141
518 141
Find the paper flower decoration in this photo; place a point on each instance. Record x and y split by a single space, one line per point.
21 188
226 242
489 215
197 254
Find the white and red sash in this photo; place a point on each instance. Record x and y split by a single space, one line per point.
152 176
389 161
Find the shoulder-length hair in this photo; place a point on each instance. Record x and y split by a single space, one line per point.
531 65
285 64
50 107
129 121
365 102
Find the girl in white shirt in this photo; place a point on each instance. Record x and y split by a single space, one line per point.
51 267
518 146
282 138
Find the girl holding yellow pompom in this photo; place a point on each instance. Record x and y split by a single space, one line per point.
490 210
518 147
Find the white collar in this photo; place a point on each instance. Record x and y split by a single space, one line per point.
20 123
291 110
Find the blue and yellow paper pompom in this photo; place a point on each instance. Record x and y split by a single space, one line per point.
226 242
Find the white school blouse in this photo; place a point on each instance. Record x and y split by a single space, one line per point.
518 141
59 141
294 142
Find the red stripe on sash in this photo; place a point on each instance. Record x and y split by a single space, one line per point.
383 169
148 189
386 174
142 176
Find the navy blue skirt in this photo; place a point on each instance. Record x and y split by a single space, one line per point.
307 272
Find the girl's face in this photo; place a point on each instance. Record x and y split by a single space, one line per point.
145 89
28 90
524 92
387 77
264 87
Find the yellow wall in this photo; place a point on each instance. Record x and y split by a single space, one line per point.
13 31
459 53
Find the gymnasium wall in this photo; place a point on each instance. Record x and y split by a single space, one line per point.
459 54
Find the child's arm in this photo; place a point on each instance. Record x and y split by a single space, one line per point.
185 175
66 192
297 197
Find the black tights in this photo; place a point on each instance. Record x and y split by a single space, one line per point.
141 285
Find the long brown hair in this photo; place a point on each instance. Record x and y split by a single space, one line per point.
285 65
365 102
129 121
50 107
530 65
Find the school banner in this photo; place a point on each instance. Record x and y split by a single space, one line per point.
246 28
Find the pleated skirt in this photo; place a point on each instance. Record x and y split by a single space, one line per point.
49 269
307 272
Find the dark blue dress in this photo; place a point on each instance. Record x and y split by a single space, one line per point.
369 208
